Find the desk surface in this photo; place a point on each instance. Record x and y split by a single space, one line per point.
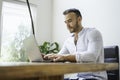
25 69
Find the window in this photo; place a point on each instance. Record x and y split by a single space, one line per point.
16 26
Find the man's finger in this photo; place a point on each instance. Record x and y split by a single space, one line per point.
49 56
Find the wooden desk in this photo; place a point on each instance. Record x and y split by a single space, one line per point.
48 71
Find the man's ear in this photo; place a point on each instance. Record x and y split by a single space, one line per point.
79 19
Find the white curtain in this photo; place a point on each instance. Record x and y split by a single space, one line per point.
0 22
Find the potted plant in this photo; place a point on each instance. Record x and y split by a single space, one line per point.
48 47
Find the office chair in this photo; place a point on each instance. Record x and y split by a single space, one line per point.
111 54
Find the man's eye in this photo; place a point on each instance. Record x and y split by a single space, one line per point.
69 21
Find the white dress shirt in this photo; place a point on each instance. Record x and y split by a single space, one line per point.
89 48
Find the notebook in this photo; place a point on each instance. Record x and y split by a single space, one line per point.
32 49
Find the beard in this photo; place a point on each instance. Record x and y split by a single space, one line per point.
74 28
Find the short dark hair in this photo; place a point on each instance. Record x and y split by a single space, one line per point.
76 11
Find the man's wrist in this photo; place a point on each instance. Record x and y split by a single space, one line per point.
69 57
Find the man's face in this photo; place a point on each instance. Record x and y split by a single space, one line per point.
72 22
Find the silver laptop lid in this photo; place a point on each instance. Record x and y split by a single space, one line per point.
31 49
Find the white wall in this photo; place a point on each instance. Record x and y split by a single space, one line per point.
44 21
101 14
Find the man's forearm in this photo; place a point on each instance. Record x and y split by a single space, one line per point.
69 57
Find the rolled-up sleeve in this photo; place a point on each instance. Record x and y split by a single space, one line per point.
94 48
64 49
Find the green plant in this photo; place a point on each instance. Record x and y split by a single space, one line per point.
48 47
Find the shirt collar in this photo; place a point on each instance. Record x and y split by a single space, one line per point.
79 34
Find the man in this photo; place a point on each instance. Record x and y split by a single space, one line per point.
85 45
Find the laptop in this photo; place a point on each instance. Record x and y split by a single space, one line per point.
32 50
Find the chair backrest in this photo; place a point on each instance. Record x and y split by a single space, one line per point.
111 54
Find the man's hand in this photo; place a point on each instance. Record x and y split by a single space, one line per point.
54 57
60 57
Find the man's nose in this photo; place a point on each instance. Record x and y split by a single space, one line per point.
67 24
